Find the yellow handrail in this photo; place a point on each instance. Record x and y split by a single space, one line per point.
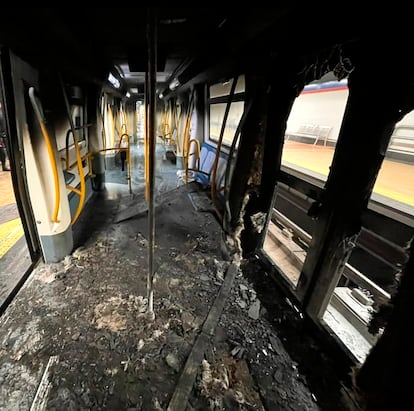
50 152
187 125
82 192
167 136
187 158
78 158
66 159
177 119
128 153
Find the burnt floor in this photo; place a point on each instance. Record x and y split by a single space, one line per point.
76 337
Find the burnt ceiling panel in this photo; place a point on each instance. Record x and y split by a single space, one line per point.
86 44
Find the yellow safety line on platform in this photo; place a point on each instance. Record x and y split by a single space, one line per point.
318 160
10 233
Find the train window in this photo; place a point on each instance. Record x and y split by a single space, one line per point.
368 280
312 130
78 117
223 89
216 120
289 233
139 114
109 122
369 277
217 106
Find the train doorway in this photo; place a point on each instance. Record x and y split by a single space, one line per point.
19 245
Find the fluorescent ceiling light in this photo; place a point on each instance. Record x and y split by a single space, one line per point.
114 81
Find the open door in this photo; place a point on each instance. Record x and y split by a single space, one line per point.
19 242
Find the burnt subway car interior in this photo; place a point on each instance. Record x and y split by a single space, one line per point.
326 249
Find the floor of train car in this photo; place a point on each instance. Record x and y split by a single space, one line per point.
76 336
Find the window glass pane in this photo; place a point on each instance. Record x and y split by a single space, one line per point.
216 119
223 89
240 85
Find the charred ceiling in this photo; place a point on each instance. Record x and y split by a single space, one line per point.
193 44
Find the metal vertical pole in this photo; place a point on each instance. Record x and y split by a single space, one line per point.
150 88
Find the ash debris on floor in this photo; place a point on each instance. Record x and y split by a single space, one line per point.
87 313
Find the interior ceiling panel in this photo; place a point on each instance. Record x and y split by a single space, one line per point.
87 44
137 59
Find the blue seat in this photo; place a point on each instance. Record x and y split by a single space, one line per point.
207 157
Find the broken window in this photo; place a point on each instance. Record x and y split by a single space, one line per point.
370 276
311 133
